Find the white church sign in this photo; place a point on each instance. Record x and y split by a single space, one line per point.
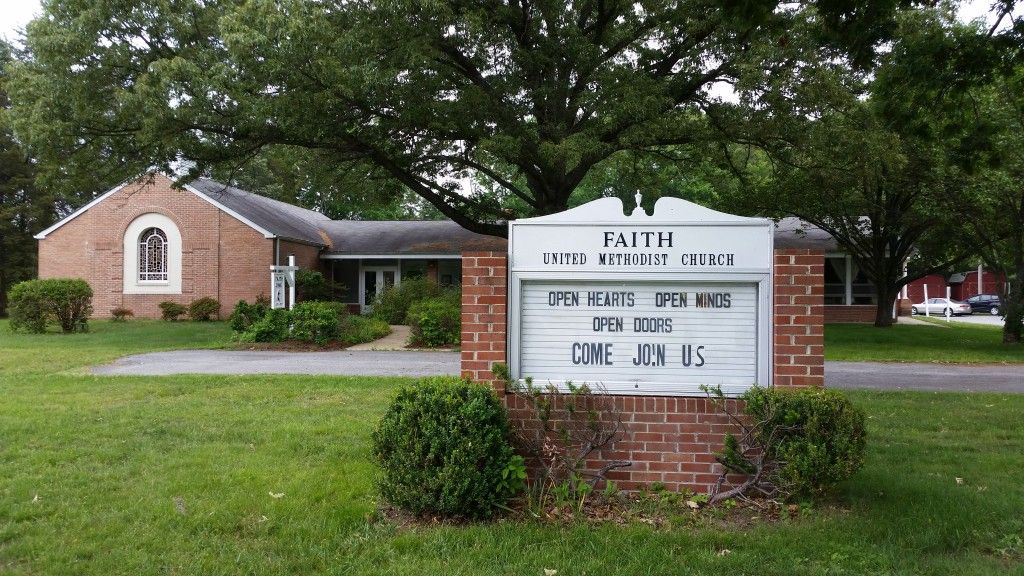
642 304
282 285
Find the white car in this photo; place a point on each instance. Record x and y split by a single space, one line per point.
939 306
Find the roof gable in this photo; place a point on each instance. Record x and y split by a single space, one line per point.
271 218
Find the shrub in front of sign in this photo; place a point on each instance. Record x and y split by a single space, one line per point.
793 443
171 311
436 321
35 303
443 449
245 315
392 304
203 309
273 326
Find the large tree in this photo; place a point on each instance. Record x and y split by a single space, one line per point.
23 208
529 95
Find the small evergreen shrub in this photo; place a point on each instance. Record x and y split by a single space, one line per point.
314 322
272 327
121 314
203 309
443 448
171 311
244 314
812 439
34 303
27 308
436 321
392 304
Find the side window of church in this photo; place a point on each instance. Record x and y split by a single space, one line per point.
153 255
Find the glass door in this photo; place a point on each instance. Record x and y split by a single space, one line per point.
374 280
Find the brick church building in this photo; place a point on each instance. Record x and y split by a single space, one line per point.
147 241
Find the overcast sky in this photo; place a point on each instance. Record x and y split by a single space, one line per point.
14 14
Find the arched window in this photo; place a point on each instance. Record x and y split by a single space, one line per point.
152 255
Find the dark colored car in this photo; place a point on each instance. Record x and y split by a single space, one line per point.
984 303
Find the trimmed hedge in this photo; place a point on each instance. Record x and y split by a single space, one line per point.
318 322
203 309
443 446
171 311
33 304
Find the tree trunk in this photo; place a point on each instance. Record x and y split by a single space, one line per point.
885 295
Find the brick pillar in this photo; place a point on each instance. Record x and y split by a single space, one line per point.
484 291
799 318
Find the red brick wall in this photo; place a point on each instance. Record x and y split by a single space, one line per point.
484 293
799 317
221 257
670 439
860 314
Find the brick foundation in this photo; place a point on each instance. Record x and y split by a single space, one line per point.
670 439
859 314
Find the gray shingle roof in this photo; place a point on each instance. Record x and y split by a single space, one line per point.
406 237
796 233
279 218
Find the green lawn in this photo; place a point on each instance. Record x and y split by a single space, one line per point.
952 342
175 475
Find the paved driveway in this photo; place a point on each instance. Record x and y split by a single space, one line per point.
940 377
852 375
359 363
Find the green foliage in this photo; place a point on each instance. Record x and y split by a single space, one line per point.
203 309
443 448
171 311
392 304
355 329
273 326
314 322
436 321
245 315
36 303
310 285
24 208
528 98
121 314
804 442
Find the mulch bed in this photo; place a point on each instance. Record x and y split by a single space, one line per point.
289 346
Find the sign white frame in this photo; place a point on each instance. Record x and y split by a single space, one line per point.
675 214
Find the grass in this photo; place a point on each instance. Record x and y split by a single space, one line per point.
953 342
54 352
272 475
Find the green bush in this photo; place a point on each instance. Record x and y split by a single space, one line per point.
314 322
203 309
34 303
120 314
271 327
436 321
816 435
354 329
392 304
245 315
311 285
171 311
443 446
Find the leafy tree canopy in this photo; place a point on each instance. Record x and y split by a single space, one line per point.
529 96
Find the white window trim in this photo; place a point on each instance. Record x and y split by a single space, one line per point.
131 282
